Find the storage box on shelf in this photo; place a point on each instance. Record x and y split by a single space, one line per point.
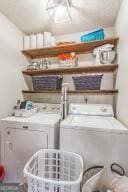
89 82
47 82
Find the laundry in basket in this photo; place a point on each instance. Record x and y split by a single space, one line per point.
91 179
121 185
54 171
99 178
115 179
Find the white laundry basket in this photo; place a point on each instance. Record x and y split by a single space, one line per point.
54 171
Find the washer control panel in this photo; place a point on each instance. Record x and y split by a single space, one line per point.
91 109
48 108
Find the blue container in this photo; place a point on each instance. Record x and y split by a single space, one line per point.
93 36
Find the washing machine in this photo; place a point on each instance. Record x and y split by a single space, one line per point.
92 131
22 137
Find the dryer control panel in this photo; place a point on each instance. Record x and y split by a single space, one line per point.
48 108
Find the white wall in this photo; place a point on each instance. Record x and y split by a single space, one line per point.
122 78
11 64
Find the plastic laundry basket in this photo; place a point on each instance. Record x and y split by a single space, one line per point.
54 171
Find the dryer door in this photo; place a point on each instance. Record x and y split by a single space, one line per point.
20 145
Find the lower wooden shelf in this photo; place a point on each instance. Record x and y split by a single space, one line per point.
109 92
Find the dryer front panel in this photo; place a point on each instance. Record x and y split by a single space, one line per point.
19 146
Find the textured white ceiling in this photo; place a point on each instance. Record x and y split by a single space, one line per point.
30 15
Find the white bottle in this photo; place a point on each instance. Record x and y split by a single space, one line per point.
33 41
26 42
39 40
53 41
47 39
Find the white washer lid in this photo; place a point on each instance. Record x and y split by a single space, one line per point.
93 123
39 118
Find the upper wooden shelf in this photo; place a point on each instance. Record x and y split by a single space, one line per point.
79 48
75 70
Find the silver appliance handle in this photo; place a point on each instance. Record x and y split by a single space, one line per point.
9 147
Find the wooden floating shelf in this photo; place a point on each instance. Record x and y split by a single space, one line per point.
109 92
76 70
79 48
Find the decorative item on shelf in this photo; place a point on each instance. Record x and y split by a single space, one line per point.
44 64
48 63
61 43
93 36
33 66
108 57
47 82
104 54
68 60
39 65
89 82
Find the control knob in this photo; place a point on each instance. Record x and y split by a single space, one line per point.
44 107
53 107
103 109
